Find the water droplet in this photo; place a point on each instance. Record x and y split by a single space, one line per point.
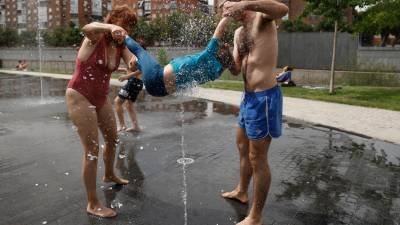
116 204
91 157
92 78
92 107
141 147
102 146
66 173
101 186
36 185
60 189
84 77
45 185
100 61
44 222
121 156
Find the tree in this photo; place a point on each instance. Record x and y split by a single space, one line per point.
27 38
8 37
174 23
381 17
331 12
296 26
62 37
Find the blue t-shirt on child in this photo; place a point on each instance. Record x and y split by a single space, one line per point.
198 68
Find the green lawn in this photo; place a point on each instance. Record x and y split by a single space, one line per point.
377 97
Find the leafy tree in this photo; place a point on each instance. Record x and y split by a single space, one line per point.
62 37
382 17
331 12
28 38
175 23
144 31
296 26
8 37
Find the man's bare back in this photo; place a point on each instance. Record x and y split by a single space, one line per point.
257 46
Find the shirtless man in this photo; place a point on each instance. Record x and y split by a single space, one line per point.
255 54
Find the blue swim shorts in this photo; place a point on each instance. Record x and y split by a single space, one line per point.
261 113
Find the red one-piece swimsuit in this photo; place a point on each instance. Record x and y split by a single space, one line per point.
92 77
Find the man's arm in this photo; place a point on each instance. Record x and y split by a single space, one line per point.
236 67
271 9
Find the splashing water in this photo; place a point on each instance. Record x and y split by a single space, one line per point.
116 204
184 190
91 157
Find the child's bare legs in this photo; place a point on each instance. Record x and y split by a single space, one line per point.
132 114
120 113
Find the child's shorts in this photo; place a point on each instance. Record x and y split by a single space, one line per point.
131 90
261 113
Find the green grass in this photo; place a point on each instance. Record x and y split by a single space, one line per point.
377 97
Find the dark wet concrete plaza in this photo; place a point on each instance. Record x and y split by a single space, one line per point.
320 176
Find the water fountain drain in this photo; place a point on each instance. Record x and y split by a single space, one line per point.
185 161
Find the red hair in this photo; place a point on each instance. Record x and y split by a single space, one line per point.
122 13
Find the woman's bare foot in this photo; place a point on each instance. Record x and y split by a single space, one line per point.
100 211
121 128
115 179
250 221
237 195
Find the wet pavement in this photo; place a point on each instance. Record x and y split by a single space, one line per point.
319 175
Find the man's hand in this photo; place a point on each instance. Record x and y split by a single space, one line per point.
132 64
231 9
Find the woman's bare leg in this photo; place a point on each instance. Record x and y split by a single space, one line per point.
130 107
108 127
120 113
84 117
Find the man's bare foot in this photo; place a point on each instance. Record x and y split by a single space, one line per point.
237 195
250 221
121 128
115 179
100 211
133 129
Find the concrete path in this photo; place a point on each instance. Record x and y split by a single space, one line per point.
372 122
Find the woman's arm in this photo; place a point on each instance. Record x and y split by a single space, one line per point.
95 31
221 27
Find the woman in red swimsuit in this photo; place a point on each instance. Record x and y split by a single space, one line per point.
87 102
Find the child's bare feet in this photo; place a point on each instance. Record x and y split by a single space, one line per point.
133 129
100 211
237 195
121 128
115 179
